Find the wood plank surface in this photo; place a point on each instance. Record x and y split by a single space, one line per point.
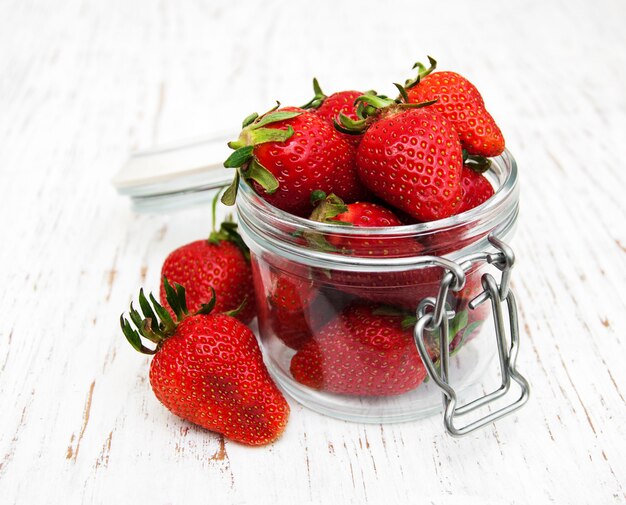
83 83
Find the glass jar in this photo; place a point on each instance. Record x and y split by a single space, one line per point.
337 305
367 324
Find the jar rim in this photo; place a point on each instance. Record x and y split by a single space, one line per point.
504 171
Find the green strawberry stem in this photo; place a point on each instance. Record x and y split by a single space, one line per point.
214 211
422 72
251 137
350 126
371 107
403 94
156 324
327 207
376 101
249 119
228 232
418 105
318 98
362 109
237 311
478 164
317 195
239 157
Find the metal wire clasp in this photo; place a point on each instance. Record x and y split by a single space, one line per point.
438 317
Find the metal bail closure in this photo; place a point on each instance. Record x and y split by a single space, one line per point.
507 352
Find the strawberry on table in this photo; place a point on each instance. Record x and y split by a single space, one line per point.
461 103
222 264
208 369
287 154
361 352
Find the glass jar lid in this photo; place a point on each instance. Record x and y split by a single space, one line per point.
176 175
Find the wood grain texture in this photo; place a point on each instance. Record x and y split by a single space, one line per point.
82 83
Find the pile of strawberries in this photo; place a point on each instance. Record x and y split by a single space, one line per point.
351 159
408 153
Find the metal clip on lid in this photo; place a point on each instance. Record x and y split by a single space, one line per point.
438 317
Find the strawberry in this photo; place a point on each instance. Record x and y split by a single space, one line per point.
476 188
221 263
332 210
412 160
359 214
294 308
394 288
404 289
461 103
410 157
290 300
208 369
360 352
287 154
329 107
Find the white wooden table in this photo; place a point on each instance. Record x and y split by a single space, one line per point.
82 83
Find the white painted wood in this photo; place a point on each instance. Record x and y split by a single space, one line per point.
81 83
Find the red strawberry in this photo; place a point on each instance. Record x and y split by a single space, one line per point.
361 352
288 153
329 107
461 103
221 263
331 209
367 215
476 189
403 289
290 300
395 288
405 218
208 369
411 158
295 308
339 103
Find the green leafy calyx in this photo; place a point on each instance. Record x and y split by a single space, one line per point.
228 232
327 207
154 323
318 97
478 164
421 73
371 107
254 132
